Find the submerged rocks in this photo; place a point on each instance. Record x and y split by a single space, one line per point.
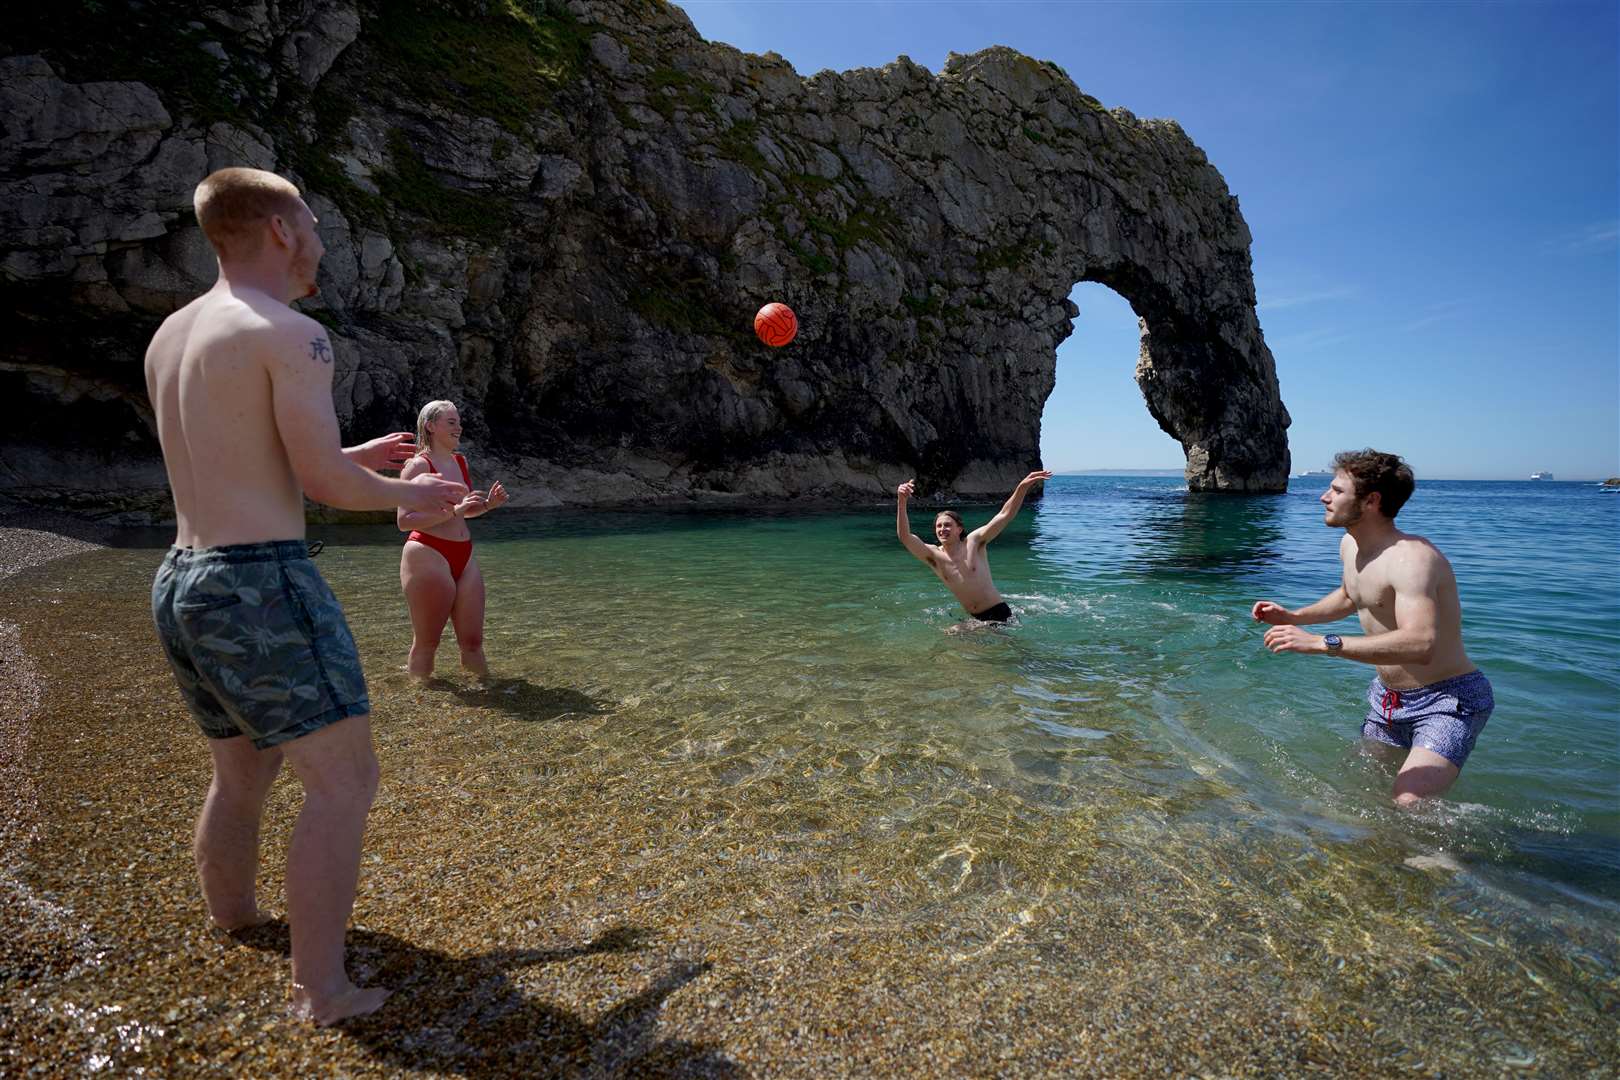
564 217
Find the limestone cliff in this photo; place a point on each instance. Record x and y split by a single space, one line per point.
563 216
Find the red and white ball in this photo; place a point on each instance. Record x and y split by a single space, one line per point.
776 325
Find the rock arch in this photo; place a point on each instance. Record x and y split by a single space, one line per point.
1100 196
571 238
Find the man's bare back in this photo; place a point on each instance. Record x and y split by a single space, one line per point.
210 374
242 388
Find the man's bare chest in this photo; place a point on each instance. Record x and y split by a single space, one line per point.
964 567
1371 592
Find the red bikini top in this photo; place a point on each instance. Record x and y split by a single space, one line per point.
466 477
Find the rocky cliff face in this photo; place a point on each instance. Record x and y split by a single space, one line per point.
563 216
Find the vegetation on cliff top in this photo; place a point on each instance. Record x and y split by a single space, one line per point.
501 59
411 186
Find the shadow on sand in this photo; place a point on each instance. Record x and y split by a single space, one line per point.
519 697
526 701
466 1016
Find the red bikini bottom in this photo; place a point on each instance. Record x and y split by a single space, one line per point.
455 552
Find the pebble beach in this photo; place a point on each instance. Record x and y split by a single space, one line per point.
545 907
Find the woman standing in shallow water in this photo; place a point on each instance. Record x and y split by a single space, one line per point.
437 569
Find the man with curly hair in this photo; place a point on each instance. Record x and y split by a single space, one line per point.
1427 697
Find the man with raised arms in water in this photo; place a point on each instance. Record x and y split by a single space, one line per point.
242 388
1427 697
960 559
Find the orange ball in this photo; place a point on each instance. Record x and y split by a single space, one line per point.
776 324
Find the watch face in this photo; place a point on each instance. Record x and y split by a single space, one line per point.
1333 641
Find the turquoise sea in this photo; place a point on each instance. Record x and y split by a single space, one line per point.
1133 631
1133 645
1128 733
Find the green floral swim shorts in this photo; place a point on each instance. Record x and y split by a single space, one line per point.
257 641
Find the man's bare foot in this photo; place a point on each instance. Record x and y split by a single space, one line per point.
345 1004
236 925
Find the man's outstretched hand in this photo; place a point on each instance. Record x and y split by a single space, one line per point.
430 494
1034 478
384 452
1275 614
1280 639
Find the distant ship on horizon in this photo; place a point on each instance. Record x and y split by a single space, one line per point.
1314 472
1544 475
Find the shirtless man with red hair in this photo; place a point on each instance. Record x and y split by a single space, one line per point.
242 387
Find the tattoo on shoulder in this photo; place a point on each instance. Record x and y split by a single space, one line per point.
320 350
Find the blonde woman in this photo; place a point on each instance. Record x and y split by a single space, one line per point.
437 570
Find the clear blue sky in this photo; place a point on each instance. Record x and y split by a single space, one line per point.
1433 189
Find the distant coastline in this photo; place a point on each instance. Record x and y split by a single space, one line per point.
1594 479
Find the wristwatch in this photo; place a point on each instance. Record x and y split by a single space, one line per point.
1333 642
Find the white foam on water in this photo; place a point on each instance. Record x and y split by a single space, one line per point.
1043 604
1471 815
1440 860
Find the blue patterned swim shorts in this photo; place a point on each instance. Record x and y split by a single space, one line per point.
257 641
1445 717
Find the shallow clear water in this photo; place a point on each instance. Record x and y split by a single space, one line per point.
1133 645
1133 640
799 664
